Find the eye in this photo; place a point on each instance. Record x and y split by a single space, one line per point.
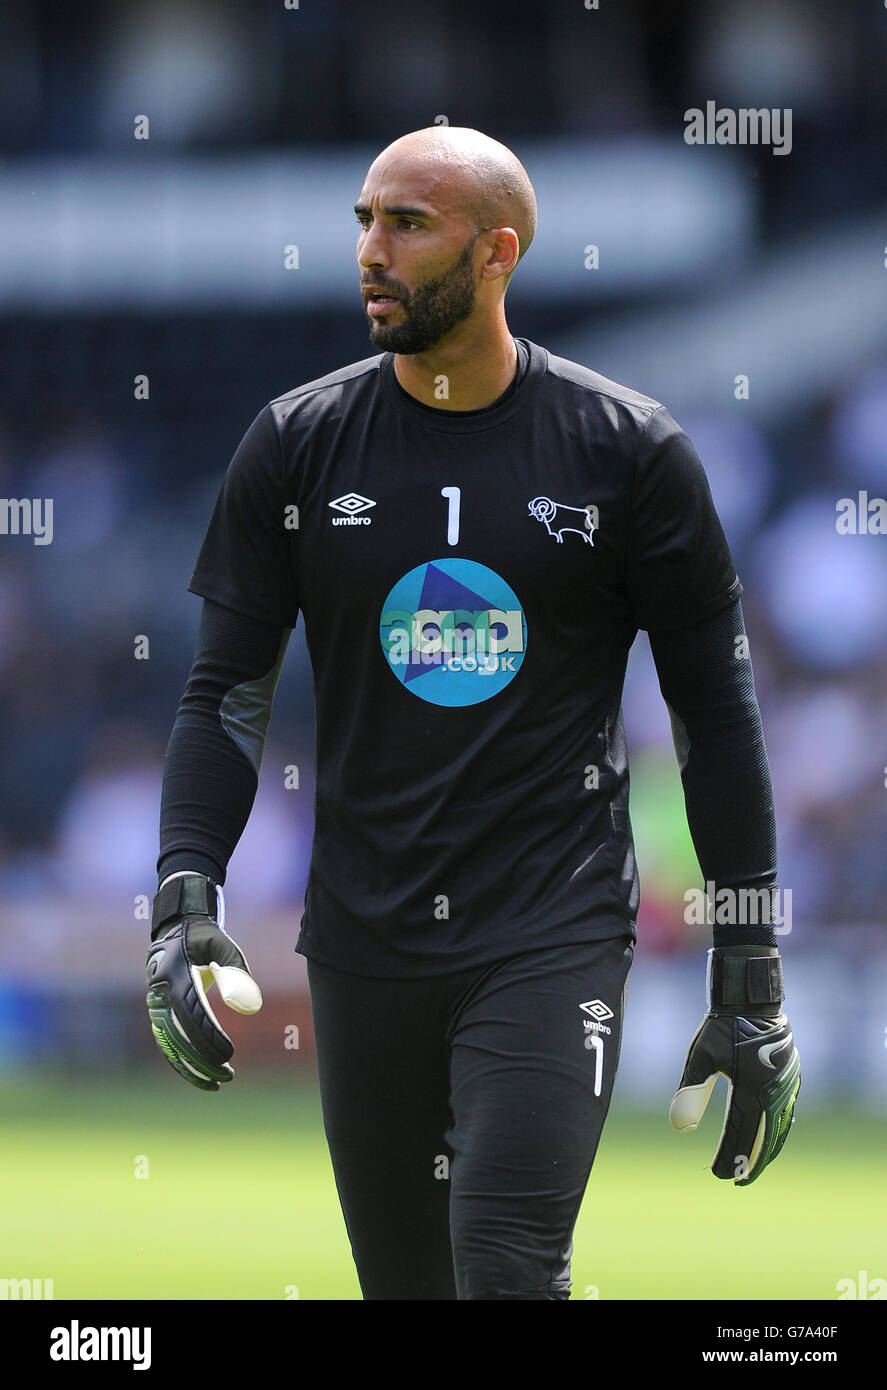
406 223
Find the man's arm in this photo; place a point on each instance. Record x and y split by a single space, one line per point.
209 786
705 675
706 678
217 742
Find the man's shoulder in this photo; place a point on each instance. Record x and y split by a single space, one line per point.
574 374
326 389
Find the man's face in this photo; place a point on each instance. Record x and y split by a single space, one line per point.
418 248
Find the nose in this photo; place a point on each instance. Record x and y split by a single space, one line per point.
371 251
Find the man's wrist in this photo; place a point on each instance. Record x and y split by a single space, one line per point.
761 937
191 861
746 979
186 893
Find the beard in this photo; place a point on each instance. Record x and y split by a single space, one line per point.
431 310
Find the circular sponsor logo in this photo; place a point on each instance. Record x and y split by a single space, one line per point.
453 632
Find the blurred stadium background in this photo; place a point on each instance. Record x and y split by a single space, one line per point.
165 258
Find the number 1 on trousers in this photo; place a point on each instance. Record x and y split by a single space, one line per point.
594 1042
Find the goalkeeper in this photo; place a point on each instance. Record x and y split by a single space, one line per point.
473 566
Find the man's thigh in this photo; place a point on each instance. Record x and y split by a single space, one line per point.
534 1051
383 1068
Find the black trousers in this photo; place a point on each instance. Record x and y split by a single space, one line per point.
463 1114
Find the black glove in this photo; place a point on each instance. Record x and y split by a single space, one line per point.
747 1038
190 950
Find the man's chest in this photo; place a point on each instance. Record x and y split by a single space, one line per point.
454 560
372 505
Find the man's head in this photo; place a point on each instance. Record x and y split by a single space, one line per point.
445 214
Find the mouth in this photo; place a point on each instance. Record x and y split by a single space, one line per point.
378 302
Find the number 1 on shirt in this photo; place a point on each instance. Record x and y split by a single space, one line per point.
453 496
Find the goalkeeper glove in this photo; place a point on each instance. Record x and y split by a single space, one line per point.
747 1038
189 950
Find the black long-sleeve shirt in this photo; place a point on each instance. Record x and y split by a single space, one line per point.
471 584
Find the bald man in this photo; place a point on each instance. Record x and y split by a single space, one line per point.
474 530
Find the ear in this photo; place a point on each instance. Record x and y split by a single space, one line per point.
504 250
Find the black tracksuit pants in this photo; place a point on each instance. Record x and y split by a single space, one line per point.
463 1113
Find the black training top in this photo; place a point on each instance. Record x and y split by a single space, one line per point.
471 584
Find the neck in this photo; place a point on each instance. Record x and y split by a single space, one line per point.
461 375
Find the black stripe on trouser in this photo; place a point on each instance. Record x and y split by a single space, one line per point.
463 1114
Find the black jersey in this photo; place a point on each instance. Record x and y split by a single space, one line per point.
471 584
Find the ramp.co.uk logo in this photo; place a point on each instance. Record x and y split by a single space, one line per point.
453 632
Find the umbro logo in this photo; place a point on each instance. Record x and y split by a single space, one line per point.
598 1009
351 503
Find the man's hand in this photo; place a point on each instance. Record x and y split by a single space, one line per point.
747 1038
189 951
